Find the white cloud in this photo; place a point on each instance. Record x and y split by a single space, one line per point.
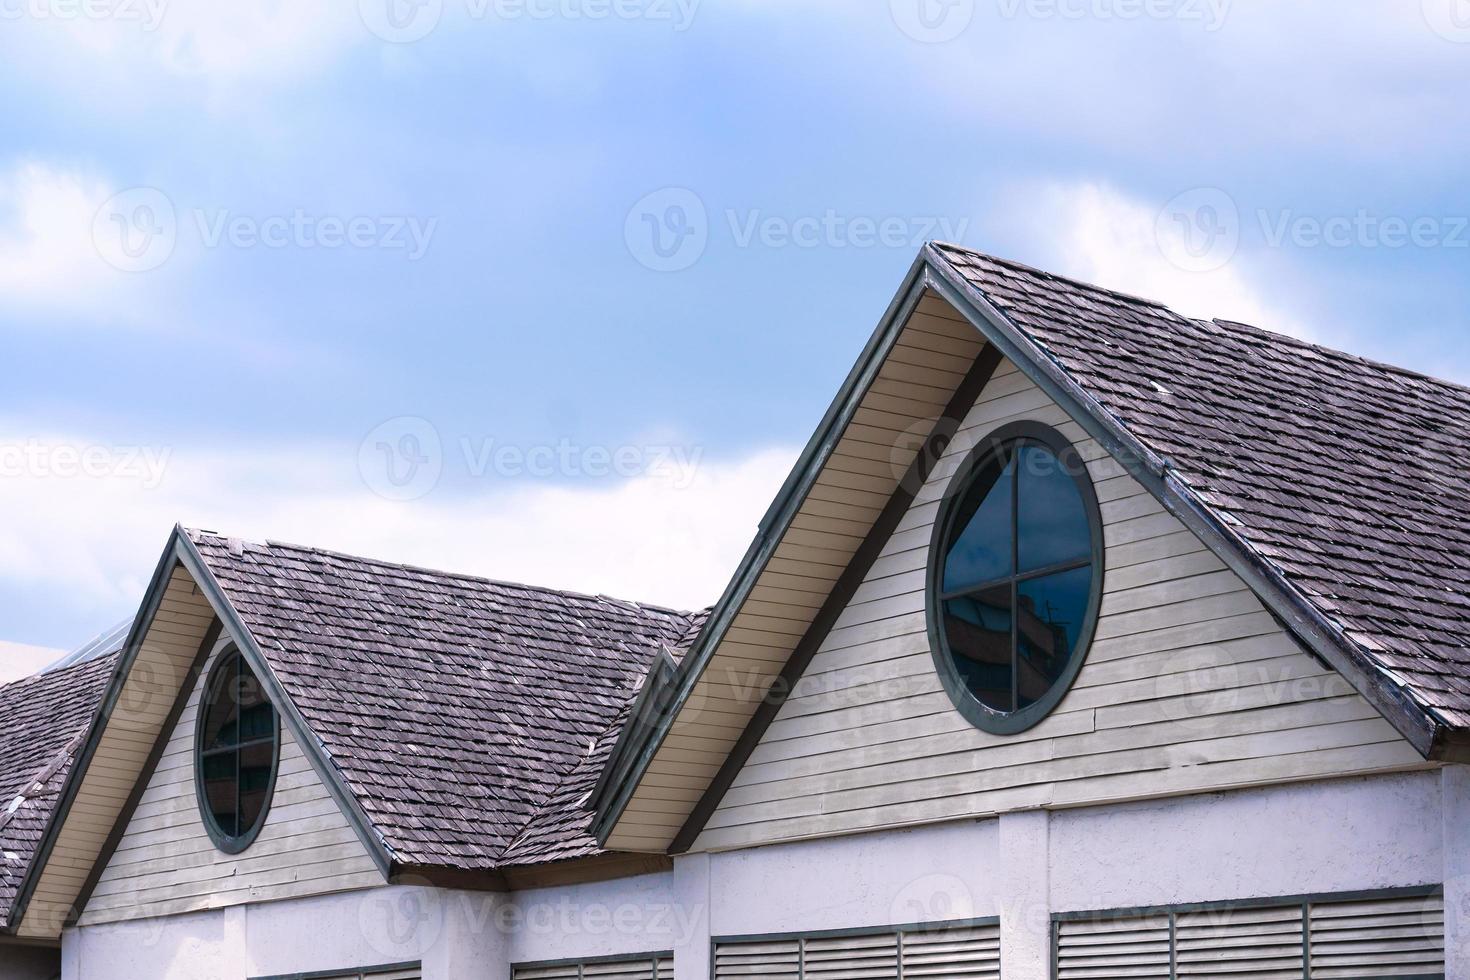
19 660
69 244
1098 234
94 536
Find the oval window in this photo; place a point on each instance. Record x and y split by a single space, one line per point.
238 748
1015 577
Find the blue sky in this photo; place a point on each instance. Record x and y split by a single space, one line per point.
250 258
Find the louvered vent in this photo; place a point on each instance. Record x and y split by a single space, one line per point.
1366 939
1248 943
939 952
1088 949
971 953
651 968
850 957
774 960
1383 938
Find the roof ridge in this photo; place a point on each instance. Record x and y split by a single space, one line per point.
1222 321
45 675
1339 354
1056 276
445 573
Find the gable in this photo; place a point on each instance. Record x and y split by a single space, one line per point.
176 631
165 862
1190 685
671 770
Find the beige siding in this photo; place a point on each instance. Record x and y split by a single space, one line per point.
166 862
909 393
1189 685
164 658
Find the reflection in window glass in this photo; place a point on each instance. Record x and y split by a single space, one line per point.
1049 615
981 550
979 630
1018 575
1051 520
237 751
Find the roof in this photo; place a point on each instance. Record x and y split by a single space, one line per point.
1345 476
452 706
42 721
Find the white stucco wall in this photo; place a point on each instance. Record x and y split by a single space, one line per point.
1345 835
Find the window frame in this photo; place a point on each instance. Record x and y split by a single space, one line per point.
989 452
232 844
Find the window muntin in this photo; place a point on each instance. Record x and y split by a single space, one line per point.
1015 577
238 750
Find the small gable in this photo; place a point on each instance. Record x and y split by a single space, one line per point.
166 862
1189 684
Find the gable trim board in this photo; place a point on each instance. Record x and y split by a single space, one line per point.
150 766
847 585
179 554
933 273
637 745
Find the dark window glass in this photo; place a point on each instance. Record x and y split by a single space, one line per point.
237 752
1017 580
1051 520
979 630
1049 615
980 550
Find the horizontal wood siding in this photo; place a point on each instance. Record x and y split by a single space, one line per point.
1190 685
166 863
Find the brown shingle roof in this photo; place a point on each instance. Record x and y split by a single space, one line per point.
451 705
42 722
1347 476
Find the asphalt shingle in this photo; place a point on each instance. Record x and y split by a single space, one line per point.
1347 475
453 706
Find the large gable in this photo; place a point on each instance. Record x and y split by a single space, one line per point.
1268 449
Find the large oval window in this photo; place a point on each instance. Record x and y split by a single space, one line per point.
1015 577
238 747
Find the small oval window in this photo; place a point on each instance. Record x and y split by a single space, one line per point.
238 747
1015 577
